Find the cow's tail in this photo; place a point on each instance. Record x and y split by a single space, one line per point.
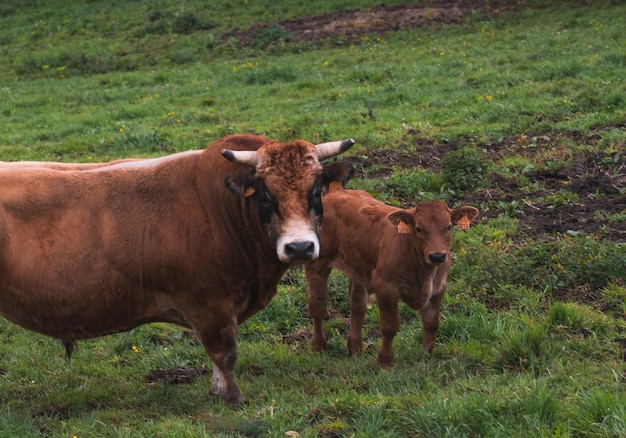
70 346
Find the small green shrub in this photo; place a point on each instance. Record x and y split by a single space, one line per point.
188 22
412 185
464 169
271 35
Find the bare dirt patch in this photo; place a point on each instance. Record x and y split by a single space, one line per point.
176 376
348 26
585 193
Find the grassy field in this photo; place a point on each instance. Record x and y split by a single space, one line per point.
531 100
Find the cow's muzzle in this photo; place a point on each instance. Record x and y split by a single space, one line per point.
300 251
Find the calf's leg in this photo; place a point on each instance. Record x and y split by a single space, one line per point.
389 326
316 277
430 321
358 308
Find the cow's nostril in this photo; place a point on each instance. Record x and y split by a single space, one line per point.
300 250
437 257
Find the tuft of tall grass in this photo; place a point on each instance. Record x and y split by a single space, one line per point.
528 349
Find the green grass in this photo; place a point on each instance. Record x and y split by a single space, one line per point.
516 358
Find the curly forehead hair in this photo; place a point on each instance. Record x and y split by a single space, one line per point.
293 163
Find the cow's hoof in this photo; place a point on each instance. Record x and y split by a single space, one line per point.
232 398
235 401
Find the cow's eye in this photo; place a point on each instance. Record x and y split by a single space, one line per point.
419 230
449 228
315 199
266 199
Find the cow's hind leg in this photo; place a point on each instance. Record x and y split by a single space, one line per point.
358 308
218 335
317 300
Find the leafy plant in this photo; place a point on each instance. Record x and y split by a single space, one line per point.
464 169
271 35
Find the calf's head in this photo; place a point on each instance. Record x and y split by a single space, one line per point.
286 181
429 225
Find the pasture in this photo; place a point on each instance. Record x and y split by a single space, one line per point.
519 110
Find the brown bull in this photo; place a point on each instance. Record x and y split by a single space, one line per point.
190 239
393 253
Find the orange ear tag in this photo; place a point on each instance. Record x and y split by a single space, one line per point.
249 192
463 223
403 228
334 186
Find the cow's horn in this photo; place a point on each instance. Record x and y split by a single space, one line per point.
330 149
250 158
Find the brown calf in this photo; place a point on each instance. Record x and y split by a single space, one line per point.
393 253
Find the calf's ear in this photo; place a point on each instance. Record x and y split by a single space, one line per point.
335 176
463 216
240 183
402 220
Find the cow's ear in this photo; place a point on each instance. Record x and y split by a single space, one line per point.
240 183
402 220
335 176
463 216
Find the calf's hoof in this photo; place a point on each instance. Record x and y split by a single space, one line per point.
385 362
355 348
318 345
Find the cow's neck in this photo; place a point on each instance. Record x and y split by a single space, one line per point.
269 270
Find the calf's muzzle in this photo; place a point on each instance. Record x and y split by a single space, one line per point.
436 258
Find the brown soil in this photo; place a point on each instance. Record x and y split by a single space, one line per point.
176 376
348 26
589 188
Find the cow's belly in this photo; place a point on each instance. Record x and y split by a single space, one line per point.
85 313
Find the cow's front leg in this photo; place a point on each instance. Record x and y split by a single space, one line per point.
389 326
218 335
317 300
430 321
358 308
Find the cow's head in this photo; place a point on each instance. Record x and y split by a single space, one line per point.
429 224
286 180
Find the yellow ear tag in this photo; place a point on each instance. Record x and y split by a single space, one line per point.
334 186
463 223
249 192
403 228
